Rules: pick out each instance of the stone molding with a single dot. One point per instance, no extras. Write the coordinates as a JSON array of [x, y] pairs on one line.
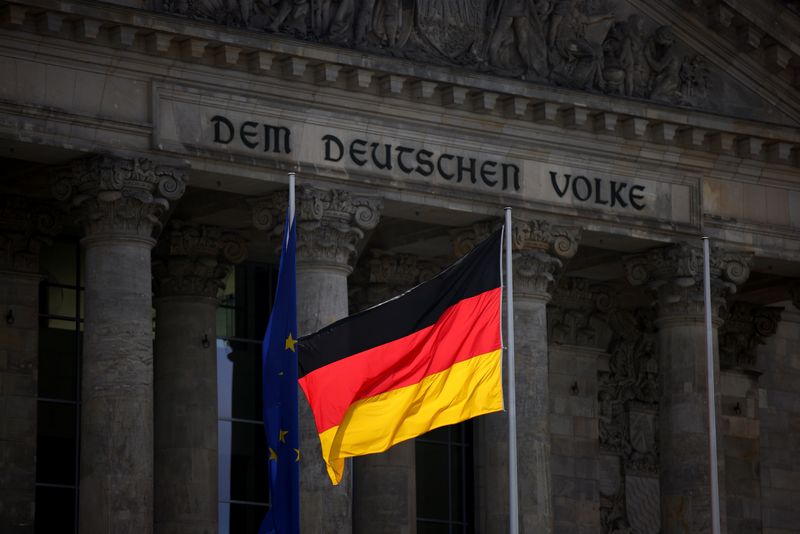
[[746, 326], [24, 227], [675, 274], [119, 198], [539, 247], [228, 48], [330, 223], [193, 260], [576, 314]]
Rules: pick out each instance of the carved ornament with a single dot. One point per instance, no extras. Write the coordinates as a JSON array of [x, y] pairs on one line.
[[577, 312], [571, 43], [746, 327], [193, 259], [119, 198], [675, 274], [24, 227], [330, 223]]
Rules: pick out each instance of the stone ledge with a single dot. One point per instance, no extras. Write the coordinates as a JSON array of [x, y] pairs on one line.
[[172, 37]]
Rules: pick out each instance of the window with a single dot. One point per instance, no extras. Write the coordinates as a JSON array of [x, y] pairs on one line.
[[58, 418], [241, 322], [445, 480]]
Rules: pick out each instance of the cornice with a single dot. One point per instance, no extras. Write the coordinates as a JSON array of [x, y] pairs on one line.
[[286, 59]]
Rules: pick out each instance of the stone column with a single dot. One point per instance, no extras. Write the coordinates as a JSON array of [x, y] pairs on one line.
[[538, 252], [330, 226], [119, 203], [746, 327], [385, 493], [578, 336], [23, 229], [191, 262], [675, 274]]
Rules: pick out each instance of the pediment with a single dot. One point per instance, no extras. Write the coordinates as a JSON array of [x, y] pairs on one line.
[[669, 52]]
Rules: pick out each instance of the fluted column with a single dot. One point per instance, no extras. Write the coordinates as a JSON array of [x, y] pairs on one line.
[[24, 227], [384, 496], [190, 265], [330, 225], [539, 249], [119, 202], [675, 275]]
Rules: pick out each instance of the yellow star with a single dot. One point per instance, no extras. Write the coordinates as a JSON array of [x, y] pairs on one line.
[[282, 435], [298, 455], [290, 343], [273, 456]]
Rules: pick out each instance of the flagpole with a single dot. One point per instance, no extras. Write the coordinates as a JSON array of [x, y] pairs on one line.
[[513, 504], [712, 409], [291, 196]]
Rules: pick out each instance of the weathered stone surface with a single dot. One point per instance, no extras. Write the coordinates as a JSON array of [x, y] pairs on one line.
[[119, 203], [192, 261]]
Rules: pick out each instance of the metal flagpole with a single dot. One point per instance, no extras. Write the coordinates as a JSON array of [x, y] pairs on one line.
[[291, 197], [712, 409], [513, 504]]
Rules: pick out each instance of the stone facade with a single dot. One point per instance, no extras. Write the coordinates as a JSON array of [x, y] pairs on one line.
[[159, 134]]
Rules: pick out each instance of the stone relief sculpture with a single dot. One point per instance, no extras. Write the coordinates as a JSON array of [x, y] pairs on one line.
[[573, 43]]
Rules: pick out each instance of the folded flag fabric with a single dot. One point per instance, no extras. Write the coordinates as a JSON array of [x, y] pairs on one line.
[[428, 358]]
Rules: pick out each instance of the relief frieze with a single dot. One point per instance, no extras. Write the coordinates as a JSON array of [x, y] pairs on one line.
[[594, 45]]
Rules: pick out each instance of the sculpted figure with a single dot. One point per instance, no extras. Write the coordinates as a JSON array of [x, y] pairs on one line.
[[290, 15], [389, 21], [521, 22], [665, 66], [632, 57], [576, 60]]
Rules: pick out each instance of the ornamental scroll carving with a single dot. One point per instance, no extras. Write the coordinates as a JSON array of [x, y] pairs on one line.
[[573, 43], [119, 197], [746, 327], [193, 259], [330, 223]]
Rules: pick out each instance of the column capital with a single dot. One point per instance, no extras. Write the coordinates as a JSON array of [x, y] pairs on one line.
[[746, 327], [24, 227], [575, 314], [119, 198], [387, 274], [330, 223], [675, 274], [194, 259], [539, 250]]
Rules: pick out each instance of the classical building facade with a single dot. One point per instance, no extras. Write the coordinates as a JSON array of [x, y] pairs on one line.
[[144, 148]]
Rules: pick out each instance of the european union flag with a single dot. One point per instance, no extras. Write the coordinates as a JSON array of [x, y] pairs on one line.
[[279, 364]]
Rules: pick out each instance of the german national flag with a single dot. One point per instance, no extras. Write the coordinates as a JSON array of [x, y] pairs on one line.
[[428, 358]]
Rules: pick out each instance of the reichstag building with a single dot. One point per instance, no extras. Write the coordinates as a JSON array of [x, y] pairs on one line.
[[144, 152]]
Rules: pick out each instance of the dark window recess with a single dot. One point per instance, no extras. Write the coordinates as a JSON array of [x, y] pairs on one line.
[[445, 480]]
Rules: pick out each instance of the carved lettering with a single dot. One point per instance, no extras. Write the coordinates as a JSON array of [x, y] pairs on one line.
[[600, 191], [247, 132], [387, 160], [616, 194], [424, 163], [554, 179], [332, 140], [220, 122], [581, 193], [272, 138], [357, 153], [635, 197], [511, 171], [486, 173], [401, 151], [461, 168], [446, 175]]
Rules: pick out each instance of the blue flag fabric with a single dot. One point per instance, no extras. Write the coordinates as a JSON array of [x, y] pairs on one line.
[[279, 379]]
